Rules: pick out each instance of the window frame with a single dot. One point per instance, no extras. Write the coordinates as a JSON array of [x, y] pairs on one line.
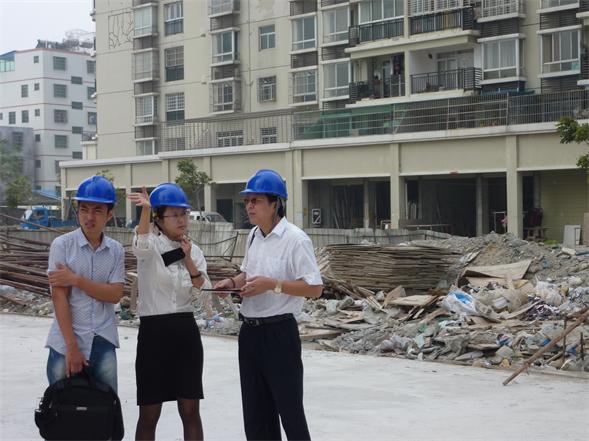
[[60, 116], [149, 113], [335, 91], [228, 56], [24, 116], [305, 43], [545, 66], [267, 40], [56, 87], [263, 96], [174, 72], [307, 95], [59, 59], [63, 139], [268, 135], [11, 117], [173, 25], [175, 106], [229, 138], [24, 90], [396, 14], [332, 37]]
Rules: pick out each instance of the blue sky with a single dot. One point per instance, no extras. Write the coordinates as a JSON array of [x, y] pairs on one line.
[[22, 22]]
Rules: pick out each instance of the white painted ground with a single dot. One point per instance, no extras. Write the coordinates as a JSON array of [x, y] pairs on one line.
[[347, 397]]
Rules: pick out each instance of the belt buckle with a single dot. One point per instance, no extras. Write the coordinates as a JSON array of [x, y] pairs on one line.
[[253, 322]]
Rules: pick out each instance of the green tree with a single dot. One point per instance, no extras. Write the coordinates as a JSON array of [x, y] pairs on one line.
[[11, 162], [570, 130], [192, 181], [18, 191]]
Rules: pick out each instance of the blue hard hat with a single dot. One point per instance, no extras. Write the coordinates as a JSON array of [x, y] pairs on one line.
[[268, 182], [96, 189], [168, 195]]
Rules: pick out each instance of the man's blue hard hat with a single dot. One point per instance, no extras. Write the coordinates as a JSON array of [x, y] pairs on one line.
[[168, 195], [268, 182], [96, 189]]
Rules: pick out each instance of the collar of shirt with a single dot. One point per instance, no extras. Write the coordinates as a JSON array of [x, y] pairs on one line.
[[82, 240], [278, 230]]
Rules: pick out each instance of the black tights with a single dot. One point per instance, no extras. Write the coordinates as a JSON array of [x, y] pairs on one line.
[[189, 413]]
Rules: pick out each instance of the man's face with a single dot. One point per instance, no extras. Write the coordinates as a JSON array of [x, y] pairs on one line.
[[259, 209], [93, 216]]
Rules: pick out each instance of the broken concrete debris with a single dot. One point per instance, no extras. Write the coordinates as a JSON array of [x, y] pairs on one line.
[[486, 301]]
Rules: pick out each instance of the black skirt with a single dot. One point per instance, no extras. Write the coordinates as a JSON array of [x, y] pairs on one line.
[[169, 359]]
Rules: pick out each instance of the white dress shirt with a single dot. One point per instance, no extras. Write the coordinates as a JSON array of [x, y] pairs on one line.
[[164, 289], [284, 254]]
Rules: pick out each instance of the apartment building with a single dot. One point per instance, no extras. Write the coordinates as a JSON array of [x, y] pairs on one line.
[[49, 89], [438, 113]]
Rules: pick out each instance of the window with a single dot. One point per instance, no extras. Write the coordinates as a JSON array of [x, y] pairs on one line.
[[36, 87], [60, 116], [60, 91], [143, 21], [77, 155], [7, 64], [335, 25], [59, 63], [37, 163], [60, 141], [35, 59], [267, 89], [268, 135], [56, 166], [224, 47], [17, 139], [336, 81], [173, 18], [24, 116], [500, 59], [24, 91], [560, 51], [92, 118], [145, 109], [145, 65], [223, 96], [148, 147], [90, 66], [174, 63], [90, 91], [230, 139], [303, 33], [377, 10], [76, 130], [304, 86], [37, 112], [77, 105], [267, 37], [76, 80], [37, 137], [11, 117], [1, 116], [420, 7], [175, 107]]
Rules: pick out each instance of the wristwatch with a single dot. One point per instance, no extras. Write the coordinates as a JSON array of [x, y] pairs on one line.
[[278, 287]]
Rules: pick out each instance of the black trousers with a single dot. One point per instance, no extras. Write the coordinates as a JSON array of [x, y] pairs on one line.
[[271, 373]]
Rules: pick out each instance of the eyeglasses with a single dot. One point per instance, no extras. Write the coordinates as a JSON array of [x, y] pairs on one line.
[[254, 201], [177, 216]]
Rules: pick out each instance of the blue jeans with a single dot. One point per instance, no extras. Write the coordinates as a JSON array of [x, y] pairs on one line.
[[102, 364]]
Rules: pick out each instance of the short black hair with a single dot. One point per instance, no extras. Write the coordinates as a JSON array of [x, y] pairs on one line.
[[281, 208]]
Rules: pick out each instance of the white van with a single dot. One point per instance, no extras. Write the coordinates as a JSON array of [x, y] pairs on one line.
[[206, 216]]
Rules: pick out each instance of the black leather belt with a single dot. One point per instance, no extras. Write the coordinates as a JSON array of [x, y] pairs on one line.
[[252, 321]]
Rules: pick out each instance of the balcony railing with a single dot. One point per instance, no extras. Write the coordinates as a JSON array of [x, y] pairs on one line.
[[585, 67], [375, 31], [545, 4], [424, 7], [583, 5], [493, 110], [375, 89], [218, 7], [466, 79], [298, 7], [459, 18], [497, 8], [561, 66]]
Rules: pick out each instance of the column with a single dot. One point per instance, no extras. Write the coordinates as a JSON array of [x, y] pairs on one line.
[[479, 206], [165, 170], [514, 188], [366, 203], [128, 189], [298, 197], [397, 183]]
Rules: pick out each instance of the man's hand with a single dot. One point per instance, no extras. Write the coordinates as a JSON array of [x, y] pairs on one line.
[[63, 276], [74, 361], [257, 285], [140, 199], [225, 284]]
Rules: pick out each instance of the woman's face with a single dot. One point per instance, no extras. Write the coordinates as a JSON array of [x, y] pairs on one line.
[[174, 222]]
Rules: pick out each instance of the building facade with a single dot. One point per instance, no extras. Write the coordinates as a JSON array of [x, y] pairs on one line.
[[49, 89], [438, 113]]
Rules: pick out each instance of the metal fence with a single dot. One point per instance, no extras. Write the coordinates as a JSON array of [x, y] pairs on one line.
[[478, 111]]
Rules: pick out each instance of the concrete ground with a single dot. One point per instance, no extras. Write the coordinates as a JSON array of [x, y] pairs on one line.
[[347, 397]]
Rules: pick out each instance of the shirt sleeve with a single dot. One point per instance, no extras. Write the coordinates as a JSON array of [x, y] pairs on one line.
[[117, 275], [57, 254], [305, 263], [143, 245], [243, 266]]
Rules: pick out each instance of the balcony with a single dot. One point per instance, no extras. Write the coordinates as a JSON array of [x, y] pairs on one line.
[[223, 7], [466, 79], [496, 9], [563, 66], [584, 6], [375, 31], [560, 4], [390, 88], [441, 21], [225, 96], [326, 3], [300, 7]]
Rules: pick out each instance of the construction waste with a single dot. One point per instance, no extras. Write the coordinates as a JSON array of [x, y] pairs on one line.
[[486, 301]]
